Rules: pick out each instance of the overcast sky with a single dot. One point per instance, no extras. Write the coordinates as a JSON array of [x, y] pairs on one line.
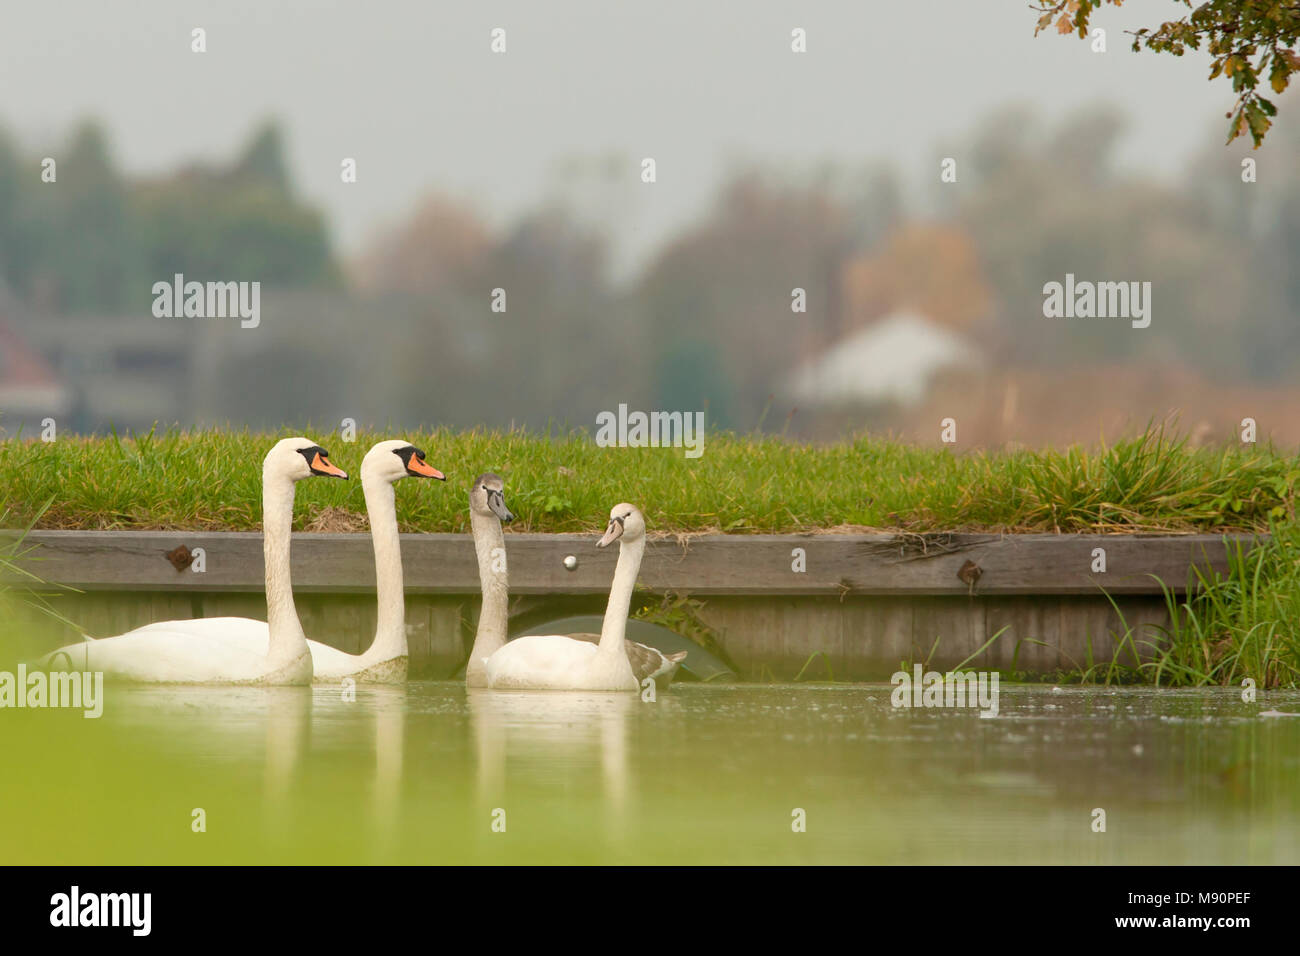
[[411, 90]]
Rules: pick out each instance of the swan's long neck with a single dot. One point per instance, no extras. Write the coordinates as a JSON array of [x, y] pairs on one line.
[[494, 616], [614, 629], [390, 627], [287, 641]]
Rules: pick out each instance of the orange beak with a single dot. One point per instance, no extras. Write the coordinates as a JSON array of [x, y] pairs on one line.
[[418, 466], [322, 466]]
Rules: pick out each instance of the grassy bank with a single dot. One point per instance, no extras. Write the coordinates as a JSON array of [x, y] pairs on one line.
[[1238, 625], [210, 480], [1223, 628], [1228, 628]]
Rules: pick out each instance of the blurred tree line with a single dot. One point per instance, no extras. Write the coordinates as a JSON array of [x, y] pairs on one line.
[[709, 323], [94, 242], [406, 331], [1218, 250]]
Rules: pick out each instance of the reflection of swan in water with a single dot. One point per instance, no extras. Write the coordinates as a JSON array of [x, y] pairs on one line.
[[228, 722], [288, 719], [280, 723], [390, 731], [556, 731], [359, 720]]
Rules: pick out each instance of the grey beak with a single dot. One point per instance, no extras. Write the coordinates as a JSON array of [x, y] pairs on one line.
[[498, 506]]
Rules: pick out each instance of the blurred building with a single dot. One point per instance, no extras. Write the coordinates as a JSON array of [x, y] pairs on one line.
[[118, 371], [30, 390], [892, 361]]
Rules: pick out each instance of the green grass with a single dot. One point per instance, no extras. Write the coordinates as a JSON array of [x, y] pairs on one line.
[[210, 480], [1225, 627], [1231, 626], [1239, 624]]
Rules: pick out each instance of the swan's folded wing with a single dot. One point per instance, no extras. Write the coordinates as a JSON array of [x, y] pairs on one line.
[[539, 661], [155, 654], [242, 631], [646, 661]]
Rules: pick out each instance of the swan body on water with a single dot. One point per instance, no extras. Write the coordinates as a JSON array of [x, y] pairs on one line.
[[561, 662], [225, 650], [385, 661], [488, 511]]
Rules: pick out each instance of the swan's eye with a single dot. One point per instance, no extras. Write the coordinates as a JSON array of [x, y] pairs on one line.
[[311, 452]]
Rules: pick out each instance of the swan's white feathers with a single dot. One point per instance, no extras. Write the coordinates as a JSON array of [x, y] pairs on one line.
[[210, 650], [556, 662], [221, 650], [329, 664]]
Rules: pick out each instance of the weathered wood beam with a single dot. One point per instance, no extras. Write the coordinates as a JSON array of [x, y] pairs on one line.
[[835, 564]]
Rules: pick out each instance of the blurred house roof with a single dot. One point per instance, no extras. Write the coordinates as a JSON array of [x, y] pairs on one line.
[[28, 385], [892, 360]]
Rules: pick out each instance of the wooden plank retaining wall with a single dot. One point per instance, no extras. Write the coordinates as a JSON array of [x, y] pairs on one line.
[[868, 601]]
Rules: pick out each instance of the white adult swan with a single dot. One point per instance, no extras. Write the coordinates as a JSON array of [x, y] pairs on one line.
[[487, 511], [229, 650], [557, 662], [386, 658]]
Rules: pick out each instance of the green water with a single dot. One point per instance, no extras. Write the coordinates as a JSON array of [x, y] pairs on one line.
[[704, 774]]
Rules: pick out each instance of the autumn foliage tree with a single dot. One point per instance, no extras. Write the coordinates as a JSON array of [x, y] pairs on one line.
[[1249, 40], [933, 268]]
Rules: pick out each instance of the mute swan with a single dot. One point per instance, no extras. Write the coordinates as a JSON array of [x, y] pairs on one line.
[[228, 650], [557, 662], [487, 510], [385, 660]]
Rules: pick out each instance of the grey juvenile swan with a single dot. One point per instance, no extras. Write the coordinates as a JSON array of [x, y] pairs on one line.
[[487, 511]]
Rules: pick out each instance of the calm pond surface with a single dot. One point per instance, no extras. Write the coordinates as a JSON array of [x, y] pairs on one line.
[[707, 773]]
